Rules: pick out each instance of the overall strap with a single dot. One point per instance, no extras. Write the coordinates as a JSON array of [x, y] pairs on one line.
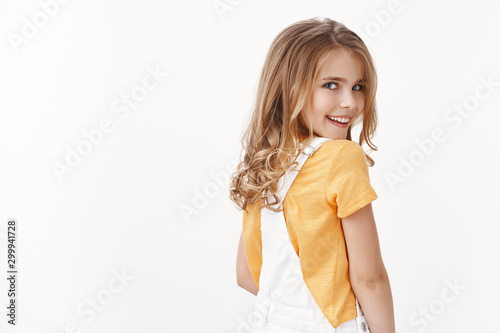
[[358, 308], [286, 181], [314, 146]]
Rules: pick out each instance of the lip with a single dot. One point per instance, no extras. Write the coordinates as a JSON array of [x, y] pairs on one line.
[[340, 116]]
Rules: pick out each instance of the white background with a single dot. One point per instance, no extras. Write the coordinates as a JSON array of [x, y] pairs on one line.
[[119, 211]]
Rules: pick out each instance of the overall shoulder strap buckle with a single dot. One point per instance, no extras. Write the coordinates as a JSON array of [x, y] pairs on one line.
[[314, 146]]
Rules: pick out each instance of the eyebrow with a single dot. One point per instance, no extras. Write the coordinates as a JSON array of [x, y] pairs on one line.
[[341, 79]]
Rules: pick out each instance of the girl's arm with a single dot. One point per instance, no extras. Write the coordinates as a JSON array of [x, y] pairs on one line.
[[243, 276], [367, 272]]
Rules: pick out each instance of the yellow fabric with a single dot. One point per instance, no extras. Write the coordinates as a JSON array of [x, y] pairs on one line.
[[332, 184]]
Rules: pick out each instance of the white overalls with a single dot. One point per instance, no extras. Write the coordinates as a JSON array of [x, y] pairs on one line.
[[284, 303]]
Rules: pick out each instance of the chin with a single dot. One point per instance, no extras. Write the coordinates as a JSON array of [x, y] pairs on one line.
[[337, 136]]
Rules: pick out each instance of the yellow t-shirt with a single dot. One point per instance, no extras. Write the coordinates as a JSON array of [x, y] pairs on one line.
[[332, 184]]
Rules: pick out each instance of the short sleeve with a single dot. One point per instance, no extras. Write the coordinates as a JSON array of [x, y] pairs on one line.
[[348, 182], [252, 240]]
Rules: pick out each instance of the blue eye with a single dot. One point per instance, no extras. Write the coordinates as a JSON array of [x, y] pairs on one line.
[[361, 87], [326, 85]]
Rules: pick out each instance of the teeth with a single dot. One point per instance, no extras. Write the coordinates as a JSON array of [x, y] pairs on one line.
[[341, 120]]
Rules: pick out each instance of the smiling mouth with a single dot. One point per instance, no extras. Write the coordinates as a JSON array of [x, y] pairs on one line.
[[339, 123]]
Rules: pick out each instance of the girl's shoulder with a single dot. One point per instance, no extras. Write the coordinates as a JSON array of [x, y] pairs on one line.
[[344, 146], [344, 153]]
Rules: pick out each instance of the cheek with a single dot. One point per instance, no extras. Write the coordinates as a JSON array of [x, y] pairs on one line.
[[361, 102], [322, 102]]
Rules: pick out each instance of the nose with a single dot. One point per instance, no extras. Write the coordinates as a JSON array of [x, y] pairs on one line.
[[347, 100]]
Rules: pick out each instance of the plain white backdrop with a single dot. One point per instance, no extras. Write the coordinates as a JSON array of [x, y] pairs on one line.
[[120, 122]]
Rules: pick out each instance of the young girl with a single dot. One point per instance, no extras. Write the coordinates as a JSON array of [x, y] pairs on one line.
[[309, 247]]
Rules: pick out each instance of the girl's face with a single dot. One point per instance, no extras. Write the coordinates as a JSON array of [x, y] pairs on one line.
[[337, 97]]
